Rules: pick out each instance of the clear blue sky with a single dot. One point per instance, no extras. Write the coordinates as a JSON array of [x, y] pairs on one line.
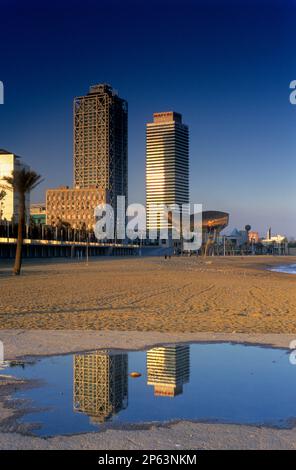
[[225, 65]]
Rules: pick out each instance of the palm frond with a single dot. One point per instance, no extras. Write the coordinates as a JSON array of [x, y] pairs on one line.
[[23, 181]]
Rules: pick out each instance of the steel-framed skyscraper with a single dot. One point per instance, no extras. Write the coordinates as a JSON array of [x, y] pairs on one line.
[[101, 141], [100, 384], [167, 163]]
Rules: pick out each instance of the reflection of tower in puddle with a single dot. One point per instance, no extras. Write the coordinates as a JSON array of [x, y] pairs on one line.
[[168, 369], [100, 384]]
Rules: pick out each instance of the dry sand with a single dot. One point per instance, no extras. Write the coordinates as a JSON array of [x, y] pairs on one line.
[[152, 294]]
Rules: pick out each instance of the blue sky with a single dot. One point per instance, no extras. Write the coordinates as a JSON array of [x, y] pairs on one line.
[[225, 65]]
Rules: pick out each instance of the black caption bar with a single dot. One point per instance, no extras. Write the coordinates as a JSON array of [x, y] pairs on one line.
[[136, 459]]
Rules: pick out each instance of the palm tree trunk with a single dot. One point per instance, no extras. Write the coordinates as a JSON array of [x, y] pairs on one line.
[[207, 246], [19, 245]]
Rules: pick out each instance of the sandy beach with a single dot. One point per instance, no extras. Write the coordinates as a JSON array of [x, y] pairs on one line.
[[232, 294], [136, 303]]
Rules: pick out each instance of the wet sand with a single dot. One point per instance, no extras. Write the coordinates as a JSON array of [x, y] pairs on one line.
[[179, 436], [231, 294]]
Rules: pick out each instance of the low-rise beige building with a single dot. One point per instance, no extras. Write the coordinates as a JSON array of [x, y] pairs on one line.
[[253, 236], [38, 212], [74, 206], [9, 205]]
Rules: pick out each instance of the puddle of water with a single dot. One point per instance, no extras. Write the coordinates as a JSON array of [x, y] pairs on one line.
[[221, 382]]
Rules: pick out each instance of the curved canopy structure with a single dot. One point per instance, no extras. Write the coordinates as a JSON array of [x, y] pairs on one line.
[[214, 220]]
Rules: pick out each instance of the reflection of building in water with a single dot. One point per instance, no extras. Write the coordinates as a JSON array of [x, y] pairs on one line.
[[168, 369], [100, 384]]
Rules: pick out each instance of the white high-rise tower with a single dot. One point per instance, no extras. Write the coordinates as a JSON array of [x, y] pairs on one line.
[[167, 164]]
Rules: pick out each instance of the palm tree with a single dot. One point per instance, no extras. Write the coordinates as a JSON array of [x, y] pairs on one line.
[[22, 182]]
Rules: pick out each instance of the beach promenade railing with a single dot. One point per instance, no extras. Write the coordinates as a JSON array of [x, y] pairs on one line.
[[71, 249]]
